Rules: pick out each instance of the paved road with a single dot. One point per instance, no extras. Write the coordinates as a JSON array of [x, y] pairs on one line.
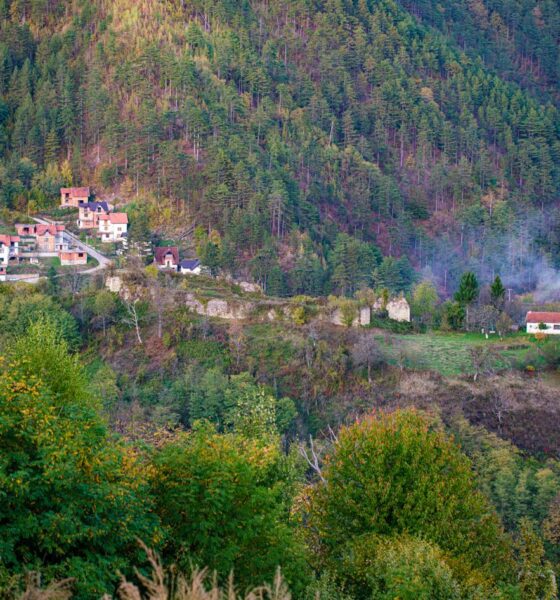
[[103, 261]]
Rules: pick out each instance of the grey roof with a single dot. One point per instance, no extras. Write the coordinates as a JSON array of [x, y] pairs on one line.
[[95, 205], [190, 264]]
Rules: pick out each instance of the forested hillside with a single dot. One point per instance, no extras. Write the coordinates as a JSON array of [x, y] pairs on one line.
[[313, 137]]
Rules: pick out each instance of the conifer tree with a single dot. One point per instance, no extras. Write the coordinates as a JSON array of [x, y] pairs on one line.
[[497, 292], [467, 292]]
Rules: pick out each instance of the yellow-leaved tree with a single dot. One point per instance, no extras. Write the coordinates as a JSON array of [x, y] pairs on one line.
[[73, 500]]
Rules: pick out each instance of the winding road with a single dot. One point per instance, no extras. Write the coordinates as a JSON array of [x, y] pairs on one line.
[[103, 261]]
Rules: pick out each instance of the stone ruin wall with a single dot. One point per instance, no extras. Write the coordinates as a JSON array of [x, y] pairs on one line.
[[241, 309]]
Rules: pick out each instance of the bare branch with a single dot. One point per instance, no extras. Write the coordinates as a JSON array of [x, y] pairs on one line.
[[312, 458]]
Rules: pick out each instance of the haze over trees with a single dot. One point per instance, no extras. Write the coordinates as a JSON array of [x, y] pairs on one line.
[[284, 126]]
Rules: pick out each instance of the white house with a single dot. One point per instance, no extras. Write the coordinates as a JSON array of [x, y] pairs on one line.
[[190, 267], [113, 227], [9, 248], [543, 322]]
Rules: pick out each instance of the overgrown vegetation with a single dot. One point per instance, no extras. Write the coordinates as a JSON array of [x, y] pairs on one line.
[[192, 443]]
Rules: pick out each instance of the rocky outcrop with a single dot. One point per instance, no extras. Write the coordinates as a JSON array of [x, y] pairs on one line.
[[236, 307], [250, 288], [362, 318], [398, 309], [222, 309], [114, 283]]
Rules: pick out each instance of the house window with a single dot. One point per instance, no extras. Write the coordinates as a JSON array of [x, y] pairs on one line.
[[556, 327]]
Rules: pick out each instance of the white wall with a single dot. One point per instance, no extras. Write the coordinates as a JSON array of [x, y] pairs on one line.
[[195, 271], [552, 328]]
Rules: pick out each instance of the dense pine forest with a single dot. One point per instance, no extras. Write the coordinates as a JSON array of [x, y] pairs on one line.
[[313, 139], [343, 154]]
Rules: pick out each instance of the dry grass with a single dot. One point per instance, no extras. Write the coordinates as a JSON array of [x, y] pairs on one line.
[[59, 590], [164, 585]]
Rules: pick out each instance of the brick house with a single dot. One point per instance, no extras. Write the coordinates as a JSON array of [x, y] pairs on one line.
[[167, 257], [72, 257], [113, 227], [48, 238], [89, 213], [74, 196]]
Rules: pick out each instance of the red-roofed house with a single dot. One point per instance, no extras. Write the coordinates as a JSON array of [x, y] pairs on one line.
[[74, 196], [167, 257], [543, 322], [113, 227], [72, 257], [49, 238], [9, 248]]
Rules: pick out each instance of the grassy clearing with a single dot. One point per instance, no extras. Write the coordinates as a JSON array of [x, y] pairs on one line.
[[450, 353]]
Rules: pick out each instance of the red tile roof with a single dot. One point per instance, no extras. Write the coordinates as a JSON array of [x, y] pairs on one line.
[[41, 229], [44, 229], [118, 218], [75, 191], [115, 218], [7, 239], [23, 228], [543, 317], [162, 251]]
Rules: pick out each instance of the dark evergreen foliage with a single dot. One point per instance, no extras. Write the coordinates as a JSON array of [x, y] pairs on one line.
[[284, 125]]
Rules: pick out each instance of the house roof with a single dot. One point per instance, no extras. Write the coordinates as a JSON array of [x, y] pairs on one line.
[[543, 317], [115, 218], [39, 229], [161, 252], [190, 263], [7, 239], [95, 205], [52, 229], [76, 191]]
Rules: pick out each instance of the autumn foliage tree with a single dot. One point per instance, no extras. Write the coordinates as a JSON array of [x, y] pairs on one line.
[[73, 502], [396, 474]]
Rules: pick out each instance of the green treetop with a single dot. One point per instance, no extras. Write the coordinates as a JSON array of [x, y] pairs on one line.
[[497, 292], [395, 474]]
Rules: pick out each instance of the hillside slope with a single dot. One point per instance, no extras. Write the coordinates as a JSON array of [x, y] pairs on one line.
[[282, 125]]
